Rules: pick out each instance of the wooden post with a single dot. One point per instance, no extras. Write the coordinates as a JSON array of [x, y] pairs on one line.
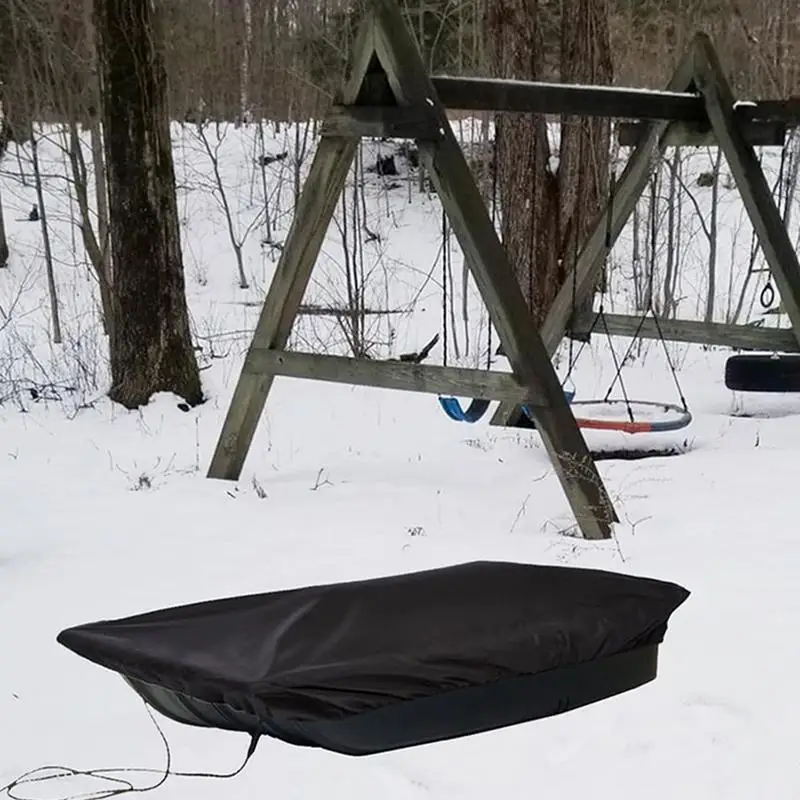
[[720, 334], [313, 214], [581, 281], [750, 180], [494, 277]]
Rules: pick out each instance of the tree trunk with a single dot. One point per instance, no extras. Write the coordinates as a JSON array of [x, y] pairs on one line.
[[547, 207], [151, 347], [527, 188], [4, 251], [584, 151]]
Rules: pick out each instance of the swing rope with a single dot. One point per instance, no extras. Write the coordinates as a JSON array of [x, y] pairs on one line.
[[767, 295], [477, 407], [601, 314], [445, 265], [632, 426]]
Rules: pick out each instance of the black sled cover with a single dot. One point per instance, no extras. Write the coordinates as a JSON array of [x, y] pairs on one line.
[[374, 665]]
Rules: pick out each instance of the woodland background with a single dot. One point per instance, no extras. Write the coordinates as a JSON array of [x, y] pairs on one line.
[[120, 70], [283, 59]]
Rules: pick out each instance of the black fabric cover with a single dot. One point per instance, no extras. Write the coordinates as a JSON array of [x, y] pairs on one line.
[[373, 665]]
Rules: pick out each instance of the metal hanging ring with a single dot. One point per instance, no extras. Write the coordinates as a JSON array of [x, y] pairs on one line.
[[767, 296]]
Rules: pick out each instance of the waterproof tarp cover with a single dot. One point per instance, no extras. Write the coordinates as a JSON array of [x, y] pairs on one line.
[[373, 665]]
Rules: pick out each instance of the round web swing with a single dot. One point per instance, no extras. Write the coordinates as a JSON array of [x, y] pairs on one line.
[[623, 414], [643, 416]]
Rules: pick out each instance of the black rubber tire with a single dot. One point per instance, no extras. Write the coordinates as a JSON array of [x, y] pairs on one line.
[[763, 373]]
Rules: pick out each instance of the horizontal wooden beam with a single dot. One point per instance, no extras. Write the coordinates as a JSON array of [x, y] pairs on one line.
[[762, 120], [406, 122], [487, 94], [786, 111], [757, 133], [391, 122], [737, 337], [397, 375]]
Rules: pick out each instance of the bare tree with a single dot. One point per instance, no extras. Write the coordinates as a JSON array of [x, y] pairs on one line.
[[4, 251], [151, 347], [55, 315], [674, 219]]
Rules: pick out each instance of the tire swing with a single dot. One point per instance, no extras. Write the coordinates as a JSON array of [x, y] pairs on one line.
[[623, 414], [375, 665], [776, 373]]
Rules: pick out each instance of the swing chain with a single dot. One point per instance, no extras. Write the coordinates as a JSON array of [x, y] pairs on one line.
[[601, 317], [767, 296]]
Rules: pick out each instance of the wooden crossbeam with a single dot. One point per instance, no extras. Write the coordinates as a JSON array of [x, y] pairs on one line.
[[405, 122], [757, 133], [738, 337], [398, 375], [743, 162], [616, 102], [494, 277], [786, 111], [490, 94], [393, 122]]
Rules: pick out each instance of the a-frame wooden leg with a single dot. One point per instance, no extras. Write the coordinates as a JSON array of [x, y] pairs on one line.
[[750, 180], [494, 277], [315, 207], [580, 283]]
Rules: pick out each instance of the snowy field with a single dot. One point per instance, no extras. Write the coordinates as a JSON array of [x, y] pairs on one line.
[[107, 513]]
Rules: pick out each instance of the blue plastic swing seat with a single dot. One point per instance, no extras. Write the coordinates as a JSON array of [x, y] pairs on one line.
[[472, 413], [477, 408]]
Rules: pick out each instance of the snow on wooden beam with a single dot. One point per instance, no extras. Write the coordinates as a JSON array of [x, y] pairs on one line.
[[490, 94]]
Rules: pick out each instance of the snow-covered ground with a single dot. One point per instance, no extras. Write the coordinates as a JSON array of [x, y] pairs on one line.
[[108, 513]]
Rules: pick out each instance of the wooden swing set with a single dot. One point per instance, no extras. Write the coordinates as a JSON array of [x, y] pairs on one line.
[[390, 94]]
